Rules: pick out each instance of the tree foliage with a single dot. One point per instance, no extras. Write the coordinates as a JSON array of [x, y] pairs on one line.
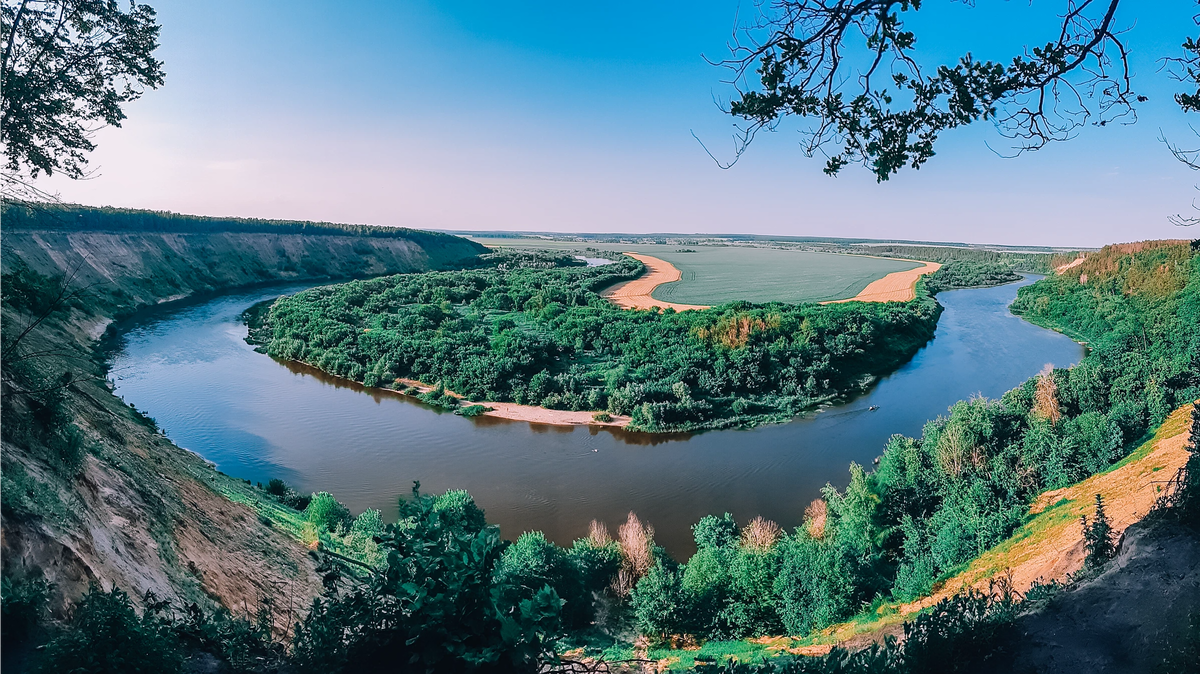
[[532, 329], [854, 70], [69, 66]]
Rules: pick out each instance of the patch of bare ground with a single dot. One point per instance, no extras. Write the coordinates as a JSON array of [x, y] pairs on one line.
[[1073, 263], [1129, 619], [635, 294], [898, 286]]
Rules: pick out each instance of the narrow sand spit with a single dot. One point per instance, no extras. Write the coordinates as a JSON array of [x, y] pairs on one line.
[[530, 413], [635, 294], [1073, 263], [898, 286]]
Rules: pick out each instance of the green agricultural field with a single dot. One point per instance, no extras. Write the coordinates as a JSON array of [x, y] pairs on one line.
[[716, 274]]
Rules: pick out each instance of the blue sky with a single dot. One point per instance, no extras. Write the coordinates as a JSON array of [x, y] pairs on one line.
[[579, 118]]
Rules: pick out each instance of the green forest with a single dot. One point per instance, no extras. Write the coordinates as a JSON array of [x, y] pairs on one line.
[[970, 274], [531, 328]]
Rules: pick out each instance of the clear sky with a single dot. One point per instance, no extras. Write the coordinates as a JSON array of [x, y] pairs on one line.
[[577, 117]]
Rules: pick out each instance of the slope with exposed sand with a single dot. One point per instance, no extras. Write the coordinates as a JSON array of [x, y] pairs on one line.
[[1048, 547]]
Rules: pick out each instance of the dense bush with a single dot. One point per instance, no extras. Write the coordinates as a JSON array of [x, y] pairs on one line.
[[532, 329], [106, 634], [325, 511], [438, 604], [968, 274], [22, 609]]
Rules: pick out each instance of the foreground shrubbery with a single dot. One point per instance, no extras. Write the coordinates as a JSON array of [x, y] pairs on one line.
[[532, 329]]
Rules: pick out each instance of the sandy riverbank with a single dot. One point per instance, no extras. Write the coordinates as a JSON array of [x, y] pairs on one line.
[[530, 413], [635, 294], [898, 286]]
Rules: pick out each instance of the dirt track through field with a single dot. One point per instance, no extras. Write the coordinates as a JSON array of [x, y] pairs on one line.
[[898, 286], [635, 294]]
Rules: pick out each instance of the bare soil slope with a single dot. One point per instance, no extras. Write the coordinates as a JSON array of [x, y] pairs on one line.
[[140, 513], [1130, 619]]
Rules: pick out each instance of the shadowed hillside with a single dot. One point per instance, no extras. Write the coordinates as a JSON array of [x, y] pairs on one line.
[[92, 491]]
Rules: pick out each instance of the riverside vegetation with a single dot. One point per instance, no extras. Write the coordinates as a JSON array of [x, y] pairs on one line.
[[444, 593], [531, 328]]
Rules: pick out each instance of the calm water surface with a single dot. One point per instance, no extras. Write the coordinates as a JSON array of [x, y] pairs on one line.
[[189, 368]]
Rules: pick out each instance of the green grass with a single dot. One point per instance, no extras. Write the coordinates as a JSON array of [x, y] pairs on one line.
[[718, 274], [684, 659]]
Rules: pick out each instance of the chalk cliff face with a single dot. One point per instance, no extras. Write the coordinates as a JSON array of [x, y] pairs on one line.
[[140, 268], [136, 511]]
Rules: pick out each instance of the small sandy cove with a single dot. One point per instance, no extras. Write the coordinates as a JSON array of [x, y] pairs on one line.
[[530, 413], [898, 286]]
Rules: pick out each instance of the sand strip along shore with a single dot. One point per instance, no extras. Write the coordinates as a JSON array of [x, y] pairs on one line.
[[635, 294], [530, 413], [898, 286]]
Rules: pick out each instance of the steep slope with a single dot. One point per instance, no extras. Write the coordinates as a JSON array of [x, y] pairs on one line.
[[91, 490]]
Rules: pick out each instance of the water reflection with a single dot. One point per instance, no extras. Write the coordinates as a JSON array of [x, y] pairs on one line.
[[189, 368]]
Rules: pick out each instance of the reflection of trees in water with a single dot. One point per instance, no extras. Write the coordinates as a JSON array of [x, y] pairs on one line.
[[378, 394]]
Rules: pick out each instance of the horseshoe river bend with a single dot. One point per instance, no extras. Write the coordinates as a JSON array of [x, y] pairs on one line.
[[187, 365]]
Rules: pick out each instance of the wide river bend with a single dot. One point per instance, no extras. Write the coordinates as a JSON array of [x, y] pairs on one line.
[[187, 366]]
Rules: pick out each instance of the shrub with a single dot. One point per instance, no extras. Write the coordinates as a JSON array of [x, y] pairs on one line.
[[22, 607], [597, 557], [325, 511], [636, 542], [472, 410], [532, 563], [659, 603], [361, 537], [105, 634]]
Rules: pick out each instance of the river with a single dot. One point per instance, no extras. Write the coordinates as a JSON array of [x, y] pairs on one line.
[[187, 366]]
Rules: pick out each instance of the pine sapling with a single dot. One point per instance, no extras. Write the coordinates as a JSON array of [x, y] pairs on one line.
[[1098, 536]]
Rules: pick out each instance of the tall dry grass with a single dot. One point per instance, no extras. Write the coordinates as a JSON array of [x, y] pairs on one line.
[[636, 541], [598, 536], [1045, 400], [814, 518], [760, 534]]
